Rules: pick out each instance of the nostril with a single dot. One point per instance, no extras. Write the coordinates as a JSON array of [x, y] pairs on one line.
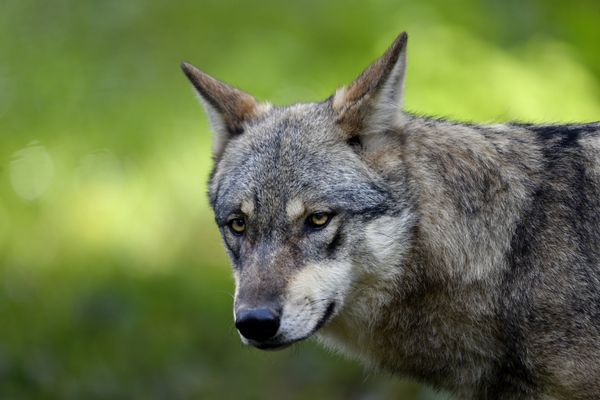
[[257, 323]]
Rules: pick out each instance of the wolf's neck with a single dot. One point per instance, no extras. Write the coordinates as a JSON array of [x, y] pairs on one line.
[[470, 184]]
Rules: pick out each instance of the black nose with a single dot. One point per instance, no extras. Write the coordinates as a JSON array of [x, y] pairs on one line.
[[257, 323]]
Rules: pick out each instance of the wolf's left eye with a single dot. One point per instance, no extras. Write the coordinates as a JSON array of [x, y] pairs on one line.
[[318, 219], [237, 226]]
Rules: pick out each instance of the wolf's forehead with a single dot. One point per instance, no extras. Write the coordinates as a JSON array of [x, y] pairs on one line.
[[280, 191], [287, 161], [274, 176], [282, 148]]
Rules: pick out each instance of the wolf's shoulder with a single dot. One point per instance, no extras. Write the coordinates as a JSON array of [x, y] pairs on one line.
[[543, 130], [566, 134]]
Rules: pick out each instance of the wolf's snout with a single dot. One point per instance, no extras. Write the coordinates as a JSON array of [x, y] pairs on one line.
[[257, 324]]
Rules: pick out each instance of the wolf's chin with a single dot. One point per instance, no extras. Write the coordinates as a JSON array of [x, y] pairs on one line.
[[279, 344], [273, 346]]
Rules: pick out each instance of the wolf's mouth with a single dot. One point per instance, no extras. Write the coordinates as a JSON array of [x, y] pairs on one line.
[[279, 345]]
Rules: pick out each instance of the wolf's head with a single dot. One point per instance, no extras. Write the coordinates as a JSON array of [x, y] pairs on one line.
[[310, 199]]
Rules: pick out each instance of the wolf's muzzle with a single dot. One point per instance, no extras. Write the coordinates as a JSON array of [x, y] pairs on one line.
[[257, 324]]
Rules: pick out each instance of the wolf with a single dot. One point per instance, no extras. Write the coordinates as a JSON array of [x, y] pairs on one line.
[[465, 256]]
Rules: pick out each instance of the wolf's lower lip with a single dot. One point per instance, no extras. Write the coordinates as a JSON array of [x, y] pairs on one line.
[[325, 317], [273, 346]]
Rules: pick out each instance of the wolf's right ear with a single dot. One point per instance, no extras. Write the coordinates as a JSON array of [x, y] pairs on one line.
[[228, 108]]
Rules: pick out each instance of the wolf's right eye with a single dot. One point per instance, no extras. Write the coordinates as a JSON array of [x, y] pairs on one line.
[[237, 226]]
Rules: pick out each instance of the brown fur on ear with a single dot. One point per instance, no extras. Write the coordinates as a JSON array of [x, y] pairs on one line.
[[228, 108], [376, 93]]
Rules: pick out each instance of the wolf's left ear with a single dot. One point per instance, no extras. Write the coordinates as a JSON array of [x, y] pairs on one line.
[[372, 103], [228, 108]]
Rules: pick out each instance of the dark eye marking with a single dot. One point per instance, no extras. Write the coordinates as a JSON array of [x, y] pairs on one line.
[[335, 243]]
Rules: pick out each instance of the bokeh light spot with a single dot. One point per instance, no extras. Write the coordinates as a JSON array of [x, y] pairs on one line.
[[31, 171]]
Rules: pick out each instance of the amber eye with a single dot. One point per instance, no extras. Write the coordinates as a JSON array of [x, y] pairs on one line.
[[318, 219], [237, 226]]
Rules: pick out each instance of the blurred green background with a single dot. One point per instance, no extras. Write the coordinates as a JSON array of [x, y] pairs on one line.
[[113, 280]]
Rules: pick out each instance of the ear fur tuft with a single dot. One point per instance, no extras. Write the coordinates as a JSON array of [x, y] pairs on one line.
[[229, 109]]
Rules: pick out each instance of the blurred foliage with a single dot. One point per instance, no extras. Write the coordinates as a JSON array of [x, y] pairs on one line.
[[113, 280]]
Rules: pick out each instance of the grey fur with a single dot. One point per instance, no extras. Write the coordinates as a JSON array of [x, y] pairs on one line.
[[465, 256]]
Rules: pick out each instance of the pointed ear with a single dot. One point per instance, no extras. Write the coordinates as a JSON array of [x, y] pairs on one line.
[[228, 108], [372, 103]]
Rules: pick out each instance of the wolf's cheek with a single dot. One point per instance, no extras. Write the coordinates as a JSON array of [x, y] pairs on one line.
[[312, 296], [387, 241]]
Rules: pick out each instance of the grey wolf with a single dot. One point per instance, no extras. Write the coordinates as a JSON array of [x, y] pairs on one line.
[[462, 255]]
